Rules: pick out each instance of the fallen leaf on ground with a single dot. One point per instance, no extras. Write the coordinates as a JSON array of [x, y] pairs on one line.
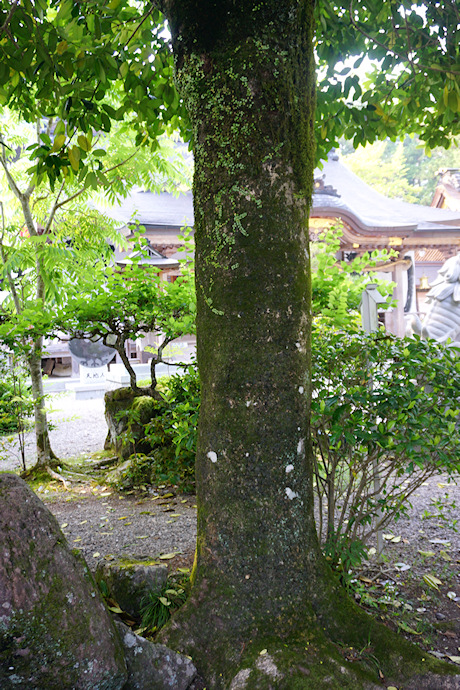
[[96, 554], [167, 556], [366, 580], [432, 581], [427, 554], [407, 628], [392, 538], [446, 542]]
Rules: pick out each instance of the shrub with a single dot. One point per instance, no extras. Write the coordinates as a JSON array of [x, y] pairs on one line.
[[384, 418], [157, 607], [15, 398]]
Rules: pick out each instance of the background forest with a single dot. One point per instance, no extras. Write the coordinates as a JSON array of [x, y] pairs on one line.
[[401, 169]]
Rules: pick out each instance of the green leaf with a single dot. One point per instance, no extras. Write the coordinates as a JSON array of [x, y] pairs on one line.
[[59, 142], [74, 157], [83, 142]]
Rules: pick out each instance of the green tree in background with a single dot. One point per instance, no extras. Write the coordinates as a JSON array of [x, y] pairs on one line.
[[127, 304], [401, 169]]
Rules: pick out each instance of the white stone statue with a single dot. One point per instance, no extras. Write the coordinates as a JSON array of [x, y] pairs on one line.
[[442, 321]]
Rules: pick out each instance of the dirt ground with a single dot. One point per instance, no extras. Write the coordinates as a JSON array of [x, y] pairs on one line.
[[415, 589]]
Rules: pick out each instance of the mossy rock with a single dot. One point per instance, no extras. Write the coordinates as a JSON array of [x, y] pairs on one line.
[[129, 582], [118, 403]]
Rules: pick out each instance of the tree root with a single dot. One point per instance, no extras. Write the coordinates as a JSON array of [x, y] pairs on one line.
[[334, 645], [59, 477]]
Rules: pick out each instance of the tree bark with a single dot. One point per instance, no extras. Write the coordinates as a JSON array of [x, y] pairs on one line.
[[246, 72], [251, 100], [45, 454]]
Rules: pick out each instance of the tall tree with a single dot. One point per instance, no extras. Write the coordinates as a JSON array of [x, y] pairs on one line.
[[265, 611]]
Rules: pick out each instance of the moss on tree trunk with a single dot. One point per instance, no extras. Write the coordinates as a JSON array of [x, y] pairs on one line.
[[247, 74], [45, 455]]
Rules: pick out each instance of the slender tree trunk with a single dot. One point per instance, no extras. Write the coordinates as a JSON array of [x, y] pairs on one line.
[[44, 452], [260, 583]]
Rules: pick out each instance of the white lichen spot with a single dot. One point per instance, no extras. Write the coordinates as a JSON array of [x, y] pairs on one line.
[[290, 493], [130, 640], [289, 468], [212, 456], [240, 680], [267, 665], [301, 390], [300, 446]]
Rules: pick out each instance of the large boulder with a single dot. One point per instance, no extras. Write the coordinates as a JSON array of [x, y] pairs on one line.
[[55, 631], [153, 666], [129, 582]]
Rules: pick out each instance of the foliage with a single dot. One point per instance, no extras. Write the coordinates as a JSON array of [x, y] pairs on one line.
[[50, 237], [71, 55], [384, 69], [15, 397], [120, 305], [384, 418], [170, 436], [344, 556], [158, 607], [401, 169], [337, 285], [410, 55]]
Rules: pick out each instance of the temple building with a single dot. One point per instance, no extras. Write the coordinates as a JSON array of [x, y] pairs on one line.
[[423, 237]]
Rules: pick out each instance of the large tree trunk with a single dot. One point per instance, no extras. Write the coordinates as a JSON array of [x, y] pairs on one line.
[[246, 71]]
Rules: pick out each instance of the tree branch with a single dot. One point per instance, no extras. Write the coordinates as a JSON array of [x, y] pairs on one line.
[[4, 27], [11, 284], [80, 191], [399, 56]]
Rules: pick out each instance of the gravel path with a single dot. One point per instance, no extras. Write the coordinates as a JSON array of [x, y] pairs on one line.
[[78, 427]]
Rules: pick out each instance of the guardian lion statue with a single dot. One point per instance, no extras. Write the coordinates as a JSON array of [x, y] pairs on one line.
[[442, 321]]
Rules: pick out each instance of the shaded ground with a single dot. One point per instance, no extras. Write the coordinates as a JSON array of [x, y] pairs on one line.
[[415, 590]]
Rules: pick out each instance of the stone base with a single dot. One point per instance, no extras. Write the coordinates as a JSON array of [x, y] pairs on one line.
[[86, 391]]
